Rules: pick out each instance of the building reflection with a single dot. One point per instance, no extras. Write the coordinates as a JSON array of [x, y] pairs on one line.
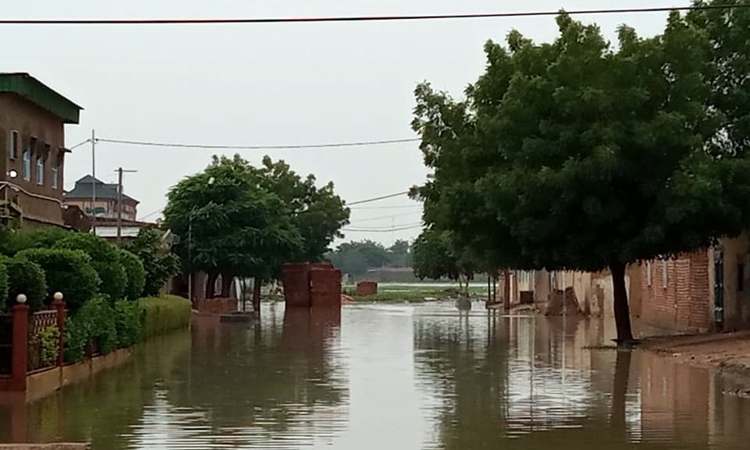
[[533, 382]]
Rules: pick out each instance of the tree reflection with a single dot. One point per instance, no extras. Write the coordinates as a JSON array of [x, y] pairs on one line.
[[269, 376]]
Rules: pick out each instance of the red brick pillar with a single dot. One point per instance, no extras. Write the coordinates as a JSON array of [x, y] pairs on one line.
[[20, 347], [59, 306]]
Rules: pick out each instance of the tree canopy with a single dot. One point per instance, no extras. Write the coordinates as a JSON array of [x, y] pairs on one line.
[[576, 155], [235, 219]]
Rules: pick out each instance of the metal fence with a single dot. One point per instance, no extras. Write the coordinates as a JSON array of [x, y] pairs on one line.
[[39, 356]]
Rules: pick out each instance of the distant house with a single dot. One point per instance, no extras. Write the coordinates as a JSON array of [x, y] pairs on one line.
[[32, 127], [105, 205]]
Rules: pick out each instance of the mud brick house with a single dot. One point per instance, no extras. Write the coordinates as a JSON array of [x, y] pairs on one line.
[[32, 129], [708, 290]]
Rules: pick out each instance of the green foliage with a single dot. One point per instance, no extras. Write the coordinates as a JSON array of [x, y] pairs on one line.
[[92, 330], [434, 256], [136, 274], [159, 263], [66, 271], [356, 258], [318, 213], [129, 319], [28, 278], [230, 223], [4, 286], [572, 155], [164, 315], [50, 344], [44, 237], [104, 258]]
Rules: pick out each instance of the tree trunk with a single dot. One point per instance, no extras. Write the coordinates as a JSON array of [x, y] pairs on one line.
[[494, 288], [622, 309], [489, 289], [211, 284], [257, 284], [619, 392], [226, 285]]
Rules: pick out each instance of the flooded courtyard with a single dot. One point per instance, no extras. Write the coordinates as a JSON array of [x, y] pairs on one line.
[[392, 377]]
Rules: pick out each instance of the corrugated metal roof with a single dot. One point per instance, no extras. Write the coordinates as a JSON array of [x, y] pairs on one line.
[[35, 91]]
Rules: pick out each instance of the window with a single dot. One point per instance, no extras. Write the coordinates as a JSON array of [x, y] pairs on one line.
[[54, 169], [13, 145], [27, 164], [648, 273], [664, 273], [740, 277], [40, 163]]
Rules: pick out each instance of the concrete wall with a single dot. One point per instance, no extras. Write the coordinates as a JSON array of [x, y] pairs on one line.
[[30, 120]]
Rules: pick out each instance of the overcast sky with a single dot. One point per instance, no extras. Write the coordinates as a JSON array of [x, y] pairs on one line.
[[268, 84]]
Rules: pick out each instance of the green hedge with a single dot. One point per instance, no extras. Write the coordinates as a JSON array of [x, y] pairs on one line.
[[135, 272], [104, 259], [25, 277], [103, 327], [66, 271], [165, 314]]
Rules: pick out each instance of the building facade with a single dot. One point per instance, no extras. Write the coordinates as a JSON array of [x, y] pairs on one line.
[[32, 128], [101, 204]]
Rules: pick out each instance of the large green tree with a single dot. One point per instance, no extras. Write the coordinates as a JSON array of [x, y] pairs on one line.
[[158, 260], [230, 223], [317, 212], [576, 155], [435, 256], [356, 258]]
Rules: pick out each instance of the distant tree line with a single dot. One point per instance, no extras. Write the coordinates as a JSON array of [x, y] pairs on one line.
[[358, 257]]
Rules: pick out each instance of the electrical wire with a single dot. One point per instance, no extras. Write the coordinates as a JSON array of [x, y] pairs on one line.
[[258, 147], [381, 230], [376, 199], [80, 144], [358, 208], [374, 219], [389, 18]]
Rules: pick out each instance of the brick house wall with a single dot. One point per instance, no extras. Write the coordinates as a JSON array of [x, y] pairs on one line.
[[29, 120], [676, 294]]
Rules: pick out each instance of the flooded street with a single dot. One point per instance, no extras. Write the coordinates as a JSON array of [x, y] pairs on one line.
[[392, 377]]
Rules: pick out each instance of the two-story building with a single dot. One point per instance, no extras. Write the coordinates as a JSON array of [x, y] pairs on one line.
[[32, 127], [99, 199]]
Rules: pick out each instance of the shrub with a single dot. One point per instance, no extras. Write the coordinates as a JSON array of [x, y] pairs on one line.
[[25, 277], [104, 259], [129, 318], [67, 271], [3, 286], [165, 314], [50, 344], [45, 237], [160, 264], [135, 273], [93, 329]]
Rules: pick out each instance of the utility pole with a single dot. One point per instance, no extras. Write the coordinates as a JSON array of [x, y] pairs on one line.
[[93, 181], [119, 202]]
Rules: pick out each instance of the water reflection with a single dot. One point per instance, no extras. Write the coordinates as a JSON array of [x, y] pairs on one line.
[[399, 377]]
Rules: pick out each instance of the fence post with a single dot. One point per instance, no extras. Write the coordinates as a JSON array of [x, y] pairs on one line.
[[59, 306], [20, 344]]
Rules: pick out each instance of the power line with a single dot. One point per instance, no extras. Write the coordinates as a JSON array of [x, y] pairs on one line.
[[385, 197], [258, 147], [358, 208], [392, 18], [373, 219], [381, 230]]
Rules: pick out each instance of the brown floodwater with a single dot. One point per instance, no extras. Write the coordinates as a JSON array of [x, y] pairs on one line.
[[392, 377]]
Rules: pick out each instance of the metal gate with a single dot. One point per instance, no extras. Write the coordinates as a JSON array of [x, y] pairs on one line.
[[6, 344], [718, 287]]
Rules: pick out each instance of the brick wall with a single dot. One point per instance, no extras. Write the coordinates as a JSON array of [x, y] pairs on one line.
[[365, 288], [307, 285], [684, 304]]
